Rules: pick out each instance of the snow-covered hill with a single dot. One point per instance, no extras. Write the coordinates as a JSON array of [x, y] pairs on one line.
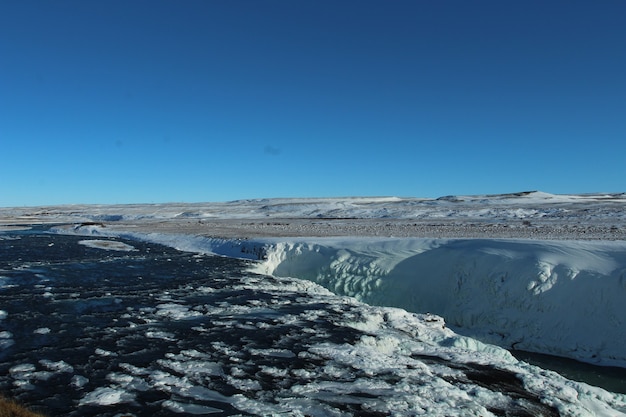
[[493, 208]]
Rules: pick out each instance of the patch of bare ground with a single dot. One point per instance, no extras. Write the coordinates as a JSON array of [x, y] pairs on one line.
[[10, 408], [401, 228]]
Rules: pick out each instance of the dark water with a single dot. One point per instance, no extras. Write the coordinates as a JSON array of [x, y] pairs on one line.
[[610, 378], [66, 301], [93, 332]]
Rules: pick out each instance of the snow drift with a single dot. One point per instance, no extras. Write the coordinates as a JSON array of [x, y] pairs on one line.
[[564, 298]]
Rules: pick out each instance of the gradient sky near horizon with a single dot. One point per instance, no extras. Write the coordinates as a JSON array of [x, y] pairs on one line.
[[141, 101]]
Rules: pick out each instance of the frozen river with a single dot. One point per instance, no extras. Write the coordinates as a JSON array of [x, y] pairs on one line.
[[109, 327]]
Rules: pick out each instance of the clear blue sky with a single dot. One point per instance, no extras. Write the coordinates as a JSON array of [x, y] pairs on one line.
[[158, 101]]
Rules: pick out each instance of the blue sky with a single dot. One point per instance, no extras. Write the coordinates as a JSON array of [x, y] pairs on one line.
[[158, 101]]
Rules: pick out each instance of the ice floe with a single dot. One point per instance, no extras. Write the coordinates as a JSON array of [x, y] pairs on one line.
[[107, 245]]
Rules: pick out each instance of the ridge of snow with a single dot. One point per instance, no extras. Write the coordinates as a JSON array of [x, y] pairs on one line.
[[563, 298]]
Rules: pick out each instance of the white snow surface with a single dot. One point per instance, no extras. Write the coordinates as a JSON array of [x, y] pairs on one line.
[[564, 298]]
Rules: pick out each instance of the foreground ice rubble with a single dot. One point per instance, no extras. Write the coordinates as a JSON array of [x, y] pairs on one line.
[[391, 361]]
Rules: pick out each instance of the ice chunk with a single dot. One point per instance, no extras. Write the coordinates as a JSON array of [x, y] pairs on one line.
[[190, 409], [6, 340], [273, 352], [158, 334], [42, 330], [22, 369], [79, 381], [60, 366], [176, 311], [22, 374], [107, 396], [102, 352], [193, 367], [108, 245]]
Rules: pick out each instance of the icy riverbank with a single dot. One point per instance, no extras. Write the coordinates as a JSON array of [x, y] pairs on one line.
[[564, 298]]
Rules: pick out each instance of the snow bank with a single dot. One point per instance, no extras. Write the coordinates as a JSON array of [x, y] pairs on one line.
[[564, 298], [234, 248]]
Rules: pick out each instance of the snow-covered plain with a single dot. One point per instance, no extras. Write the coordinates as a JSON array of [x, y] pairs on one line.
[[534, 215], [559, 290]]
